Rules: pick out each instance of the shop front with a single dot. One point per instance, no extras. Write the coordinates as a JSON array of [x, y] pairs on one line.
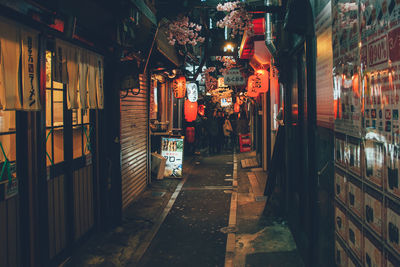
[[50, 95]]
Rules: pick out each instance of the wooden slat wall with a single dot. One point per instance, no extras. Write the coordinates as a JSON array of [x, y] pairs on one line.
[[83, 201], [134, 141], [56, 214], [9, 232]]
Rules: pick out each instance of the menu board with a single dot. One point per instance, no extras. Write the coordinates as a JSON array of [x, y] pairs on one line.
[[345, 46], [172, 150]]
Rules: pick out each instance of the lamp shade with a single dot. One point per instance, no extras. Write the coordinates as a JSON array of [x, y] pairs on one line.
[[236, 107], [201, 110], [190, 111], [192, 92], [251, 87], [259, 81], [179, 87]]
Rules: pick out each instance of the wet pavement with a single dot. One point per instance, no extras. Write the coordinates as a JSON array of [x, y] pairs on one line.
[[190, 235], [211, 217]]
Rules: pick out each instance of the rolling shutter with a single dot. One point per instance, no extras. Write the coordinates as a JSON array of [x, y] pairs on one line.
[[134, 143]]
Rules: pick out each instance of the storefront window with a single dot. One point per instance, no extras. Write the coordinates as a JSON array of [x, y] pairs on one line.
[[7, 142], [160, 104], [54, 116], [81, 130]]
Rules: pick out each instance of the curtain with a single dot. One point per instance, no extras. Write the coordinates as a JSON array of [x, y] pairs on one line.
[[83, 78], [91, 81], [10, 52], [99, 82]]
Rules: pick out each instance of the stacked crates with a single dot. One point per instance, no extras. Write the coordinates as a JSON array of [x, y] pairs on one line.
[[245, 142]]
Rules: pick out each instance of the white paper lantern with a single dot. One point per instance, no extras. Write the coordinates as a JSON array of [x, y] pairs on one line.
[[192, 93]]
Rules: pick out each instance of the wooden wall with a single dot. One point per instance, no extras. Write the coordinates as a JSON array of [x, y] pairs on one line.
[[9, 232], [56, 215], [83, 201]]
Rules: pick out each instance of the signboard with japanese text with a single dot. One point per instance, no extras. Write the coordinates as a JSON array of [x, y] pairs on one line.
[[234, 77], [172, 150], [192, 92]]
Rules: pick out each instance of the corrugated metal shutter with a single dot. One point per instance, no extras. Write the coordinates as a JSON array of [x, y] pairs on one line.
[[134, 143]]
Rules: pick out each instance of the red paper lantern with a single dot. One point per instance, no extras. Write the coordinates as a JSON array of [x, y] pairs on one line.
[[236, 107], [355, 84], [262, 82], [251, 89], [190, 110], [201, 110], [190, 135], [179, 87]]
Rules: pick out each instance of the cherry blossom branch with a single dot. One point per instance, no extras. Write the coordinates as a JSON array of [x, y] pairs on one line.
[[183, 32], [237, 18]]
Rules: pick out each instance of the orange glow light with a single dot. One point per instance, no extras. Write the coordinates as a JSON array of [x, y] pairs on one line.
[[179, 87]]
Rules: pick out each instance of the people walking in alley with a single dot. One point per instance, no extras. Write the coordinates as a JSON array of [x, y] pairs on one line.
[[227, 133], [220, 120], [242, 126], [213, 132], [233, 119]]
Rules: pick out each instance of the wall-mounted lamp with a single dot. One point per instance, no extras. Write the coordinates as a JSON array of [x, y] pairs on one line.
[[130, 85]]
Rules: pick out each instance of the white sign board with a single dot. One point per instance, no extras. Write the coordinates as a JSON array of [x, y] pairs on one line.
[[172, 150], [234, 77]]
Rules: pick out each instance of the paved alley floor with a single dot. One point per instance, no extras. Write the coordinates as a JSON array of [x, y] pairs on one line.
[[191, 233], [213, 217]]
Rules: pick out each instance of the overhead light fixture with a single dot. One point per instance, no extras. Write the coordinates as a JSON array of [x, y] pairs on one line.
[[229, 48]]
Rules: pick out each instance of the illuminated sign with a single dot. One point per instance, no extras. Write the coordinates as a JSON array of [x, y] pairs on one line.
[[172, 150]]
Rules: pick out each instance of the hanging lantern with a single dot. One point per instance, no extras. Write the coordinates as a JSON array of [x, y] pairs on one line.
[[239, 100], [262, 82], [192, 92], [355, 85], [201, 110], [190, 135], [251, 88], [190, 111], [236, 107], [179, 87]]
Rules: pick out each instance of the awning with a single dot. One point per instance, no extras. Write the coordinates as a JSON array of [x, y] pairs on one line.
[[261, 53], [247, 46]]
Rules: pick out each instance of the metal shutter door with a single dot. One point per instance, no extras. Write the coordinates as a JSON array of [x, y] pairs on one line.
[[134, 143]]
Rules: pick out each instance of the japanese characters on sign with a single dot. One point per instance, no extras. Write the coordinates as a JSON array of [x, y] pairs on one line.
[[192, 92], [234, 77], [172, 150]]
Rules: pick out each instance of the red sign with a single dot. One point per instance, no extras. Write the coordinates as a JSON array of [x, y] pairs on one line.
[[377, 52], [394, 44]]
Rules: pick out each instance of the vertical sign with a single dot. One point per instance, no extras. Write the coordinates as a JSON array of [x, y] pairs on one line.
[[172, 150]]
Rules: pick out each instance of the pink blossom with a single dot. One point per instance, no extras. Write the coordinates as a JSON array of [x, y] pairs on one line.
[[236, 19], [184, 32]]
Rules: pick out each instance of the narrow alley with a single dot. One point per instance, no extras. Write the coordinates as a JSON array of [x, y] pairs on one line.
[[229, 133], [215, 216]]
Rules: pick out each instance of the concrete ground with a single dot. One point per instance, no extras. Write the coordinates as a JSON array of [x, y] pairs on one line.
[[214, 216]]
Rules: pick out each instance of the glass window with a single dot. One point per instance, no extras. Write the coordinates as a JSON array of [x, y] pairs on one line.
[[54, 116], [81, 130], [7, 145]]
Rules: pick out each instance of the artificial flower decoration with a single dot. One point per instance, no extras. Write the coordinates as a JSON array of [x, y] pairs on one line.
[[183, 32], [237, 18], [228, 61]]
